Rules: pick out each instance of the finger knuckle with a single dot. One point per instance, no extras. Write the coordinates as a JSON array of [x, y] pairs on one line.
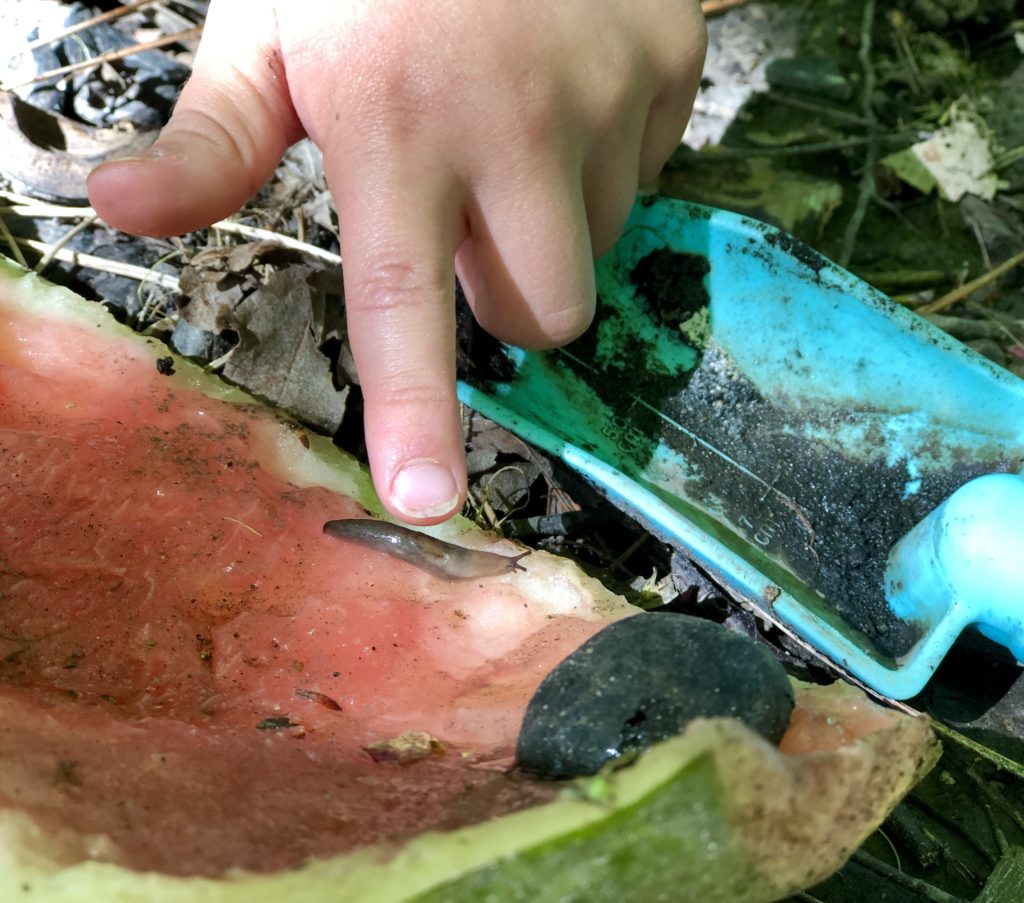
[[400, 90], [407, 390], [684, 46], [394, 283], [232, 136]]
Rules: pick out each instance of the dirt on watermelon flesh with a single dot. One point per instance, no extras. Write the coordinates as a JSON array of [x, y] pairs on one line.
[[164, 594]]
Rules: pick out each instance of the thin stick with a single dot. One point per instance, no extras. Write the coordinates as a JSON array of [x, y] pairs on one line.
[[144, 306], [109, 57], [679, 158], [235, 520], [922, 888], [16, 198], [714, 7], [115, 267], [908, 55], [980, 239], [12, 243], [47, 258], [998, 759], [23, 206], [1006, 808], [286, 241], [892, 848], [625, 556], [820, 109], [47, 211], [958, 294], [1001, 326], [867, 179], [115, 13]]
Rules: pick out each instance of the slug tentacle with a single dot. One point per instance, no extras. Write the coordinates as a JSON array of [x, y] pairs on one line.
[[435, 556]]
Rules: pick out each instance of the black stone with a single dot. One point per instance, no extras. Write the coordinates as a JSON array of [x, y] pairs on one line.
[[642, 680]]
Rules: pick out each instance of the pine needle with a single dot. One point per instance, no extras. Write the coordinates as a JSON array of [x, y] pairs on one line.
[[55, 248], [115, 13], [958, 294], [12, 243], [108, 57], [102, 264]]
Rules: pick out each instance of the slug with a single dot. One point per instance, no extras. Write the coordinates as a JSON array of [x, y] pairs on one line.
[[442, 559]]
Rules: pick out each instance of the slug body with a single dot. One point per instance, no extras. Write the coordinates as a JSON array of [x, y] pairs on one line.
[[442, 559]]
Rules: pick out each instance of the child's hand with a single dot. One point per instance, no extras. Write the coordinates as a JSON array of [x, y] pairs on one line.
[[501, 141]]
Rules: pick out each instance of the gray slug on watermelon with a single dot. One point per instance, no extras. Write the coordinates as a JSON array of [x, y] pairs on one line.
[[435, 556]]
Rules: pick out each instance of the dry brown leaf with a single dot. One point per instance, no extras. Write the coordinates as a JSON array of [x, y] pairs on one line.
[[283, 313]]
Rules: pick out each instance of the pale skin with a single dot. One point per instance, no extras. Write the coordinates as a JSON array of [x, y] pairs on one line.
[[500, 141]]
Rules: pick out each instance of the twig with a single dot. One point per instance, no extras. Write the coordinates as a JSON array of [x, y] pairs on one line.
[[286, 241], [148, 306], [998, 759], [892, 280], [47, 258], [715, 7], [958, 294], [903, 45], [1008, 810], [938, 812], [892, 848], [997, 831], [27, 207], [235, 520], [1005, 323], [968, 329], [12, 243], [16, 198], [625, 556], [820, 109], [922, 888], [115, 267], [167, 9], [911, 833], [867, 179], [790, 150], [47, 211], [980, 239], [109, 57], [115, 13]]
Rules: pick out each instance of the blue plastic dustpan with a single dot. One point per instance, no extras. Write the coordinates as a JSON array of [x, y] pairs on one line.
[[787, 425]]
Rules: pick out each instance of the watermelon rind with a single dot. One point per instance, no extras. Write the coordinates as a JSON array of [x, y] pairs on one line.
[[716, 815]]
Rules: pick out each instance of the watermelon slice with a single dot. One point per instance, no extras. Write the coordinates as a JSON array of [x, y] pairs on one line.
[[202, 697]]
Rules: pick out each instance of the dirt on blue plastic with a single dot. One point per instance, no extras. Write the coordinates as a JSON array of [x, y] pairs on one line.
[[827, 518]]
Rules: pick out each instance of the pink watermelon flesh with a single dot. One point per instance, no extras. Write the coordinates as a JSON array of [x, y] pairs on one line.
[[162, 595]]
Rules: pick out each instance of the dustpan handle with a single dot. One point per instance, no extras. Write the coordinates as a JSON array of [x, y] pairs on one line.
[[965, 562]]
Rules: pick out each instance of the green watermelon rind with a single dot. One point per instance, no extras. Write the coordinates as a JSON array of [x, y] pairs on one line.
[[674, 826], [715, 815], [468, 864]]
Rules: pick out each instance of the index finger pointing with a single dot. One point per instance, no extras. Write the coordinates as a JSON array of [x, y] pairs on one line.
[[399, 231]]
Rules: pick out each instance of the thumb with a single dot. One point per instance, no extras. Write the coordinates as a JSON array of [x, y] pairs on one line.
[[231, 125]]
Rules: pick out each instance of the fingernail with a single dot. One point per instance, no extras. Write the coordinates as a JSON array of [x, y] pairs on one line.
[[424, 488], [149, 155]]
